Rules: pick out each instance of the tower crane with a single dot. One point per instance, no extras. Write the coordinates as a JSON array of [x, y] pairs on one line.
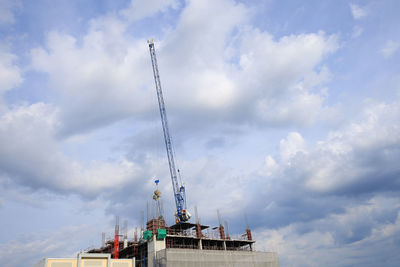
[[182, 215]]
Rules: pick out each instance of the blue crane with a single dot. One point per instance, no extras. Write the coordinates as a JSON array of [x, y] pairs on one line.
[[182, 215]]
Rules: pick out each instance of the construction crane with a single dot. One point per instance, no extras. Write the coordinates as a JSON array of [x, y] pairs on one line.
[[182, 215]]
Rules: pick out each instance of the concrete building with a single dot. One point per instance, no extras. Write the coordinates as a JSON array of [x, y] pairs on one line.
[[87, 260]]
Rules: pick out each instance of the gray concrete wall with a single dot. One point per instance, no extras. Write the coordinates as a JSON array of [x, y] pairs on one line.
[[215, 258], [153, 248]]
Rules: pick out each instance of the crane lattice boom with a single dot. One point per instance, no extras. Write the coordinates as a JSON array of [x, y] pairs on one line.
[[182, 214]]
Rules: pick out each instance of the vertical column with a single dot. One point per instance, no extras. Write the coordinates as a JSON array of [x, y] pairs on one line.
[[153, 246]]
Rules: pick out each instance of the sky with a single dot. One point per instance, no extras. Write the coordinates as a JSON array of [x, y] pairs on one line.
[[286, 111]]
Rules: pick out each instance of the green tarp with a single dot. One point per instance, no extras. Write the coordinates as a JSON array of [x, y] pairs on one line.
[[161, 233], [147, 235]]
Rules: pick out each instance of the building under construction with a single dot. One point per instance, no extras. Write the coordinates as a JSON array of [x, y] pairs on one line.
[[186, 244], [181, 244]]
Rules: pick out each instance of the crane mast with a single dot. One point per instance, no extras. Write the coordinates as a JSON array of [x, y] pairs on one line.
[[182, 215]]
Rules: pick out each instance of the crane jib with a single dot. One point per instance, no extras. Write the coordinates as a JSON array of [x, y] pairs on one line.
[[179, 191]]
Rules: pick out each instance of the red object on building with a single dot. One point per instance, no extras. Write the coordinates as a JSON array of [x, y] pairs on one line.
[[221, 232], [248, 232], [116, 247], [116, 240], [198, 231]]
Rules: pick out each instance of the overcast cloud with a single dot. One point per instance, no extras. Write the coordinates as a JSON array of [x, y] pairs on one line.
[[288, 112]]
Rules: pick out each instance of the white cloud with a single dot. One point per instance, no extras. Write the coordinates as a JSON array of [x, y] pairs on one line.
[[278, 75], [10, 74], [100, 81], [140, 9], [63, 242], [291, 146], [107, 76], [269, 84], [306, 184], [337, 156], [390, 48], [271, 165], [31, 156], [207, 178], [221, 74], [332, 115], [317, 244], [221, 96], [196, 73], [358, 12], [348, 158], [357, 31]]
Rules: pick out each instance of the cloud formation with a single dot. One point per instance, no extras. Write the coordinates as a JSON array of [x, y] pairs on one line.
[[322, 243], [138, 10], [107, 71], [358, 162], [40, 245], [390, 48], [32, 156], [358, 12], [98, 82], [10, 73], [288, 124]]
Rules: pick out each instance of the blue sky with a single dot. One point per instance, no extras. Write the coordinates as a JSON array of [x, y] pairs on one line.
[[287, 111]]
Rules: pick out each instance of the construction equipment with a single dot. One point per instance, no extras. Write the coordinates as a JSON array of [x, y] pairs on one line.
[[156, 197], [182, 215]]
